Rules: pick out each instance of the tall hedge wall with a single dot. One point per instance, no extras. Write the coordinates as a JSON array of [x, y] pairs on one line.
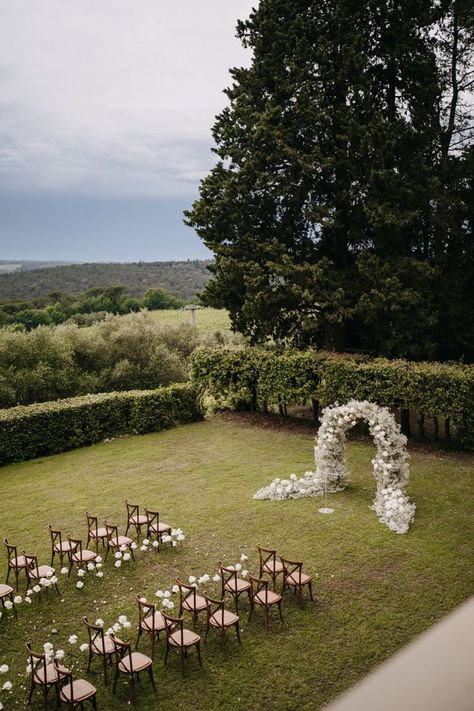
[[263, 377], [50, 427]]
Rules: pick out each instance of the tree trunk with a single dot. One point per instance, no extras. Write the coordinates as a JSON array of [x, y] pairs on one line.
[[405, 421], [315, 407]]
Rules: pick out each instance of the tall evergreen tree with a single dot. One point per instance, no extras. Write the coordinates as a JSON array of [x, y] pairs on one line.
[[321, 210]]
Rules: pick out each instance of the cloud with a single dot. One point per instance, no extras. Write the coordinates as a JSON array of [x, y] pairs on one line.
[[115, 96]]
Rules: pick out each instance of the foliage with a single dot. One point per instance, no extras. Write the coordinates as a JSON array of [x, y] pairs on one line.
[[340, 209], [30, 431], [294, 377]]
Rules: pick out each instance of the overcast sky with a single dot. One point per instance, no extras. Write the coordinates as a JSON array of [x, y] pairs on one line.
[[106, 108]]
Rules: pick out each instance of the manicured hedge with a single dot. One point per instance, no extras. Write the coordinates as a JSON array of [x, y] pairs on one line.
[[50, 427], [265, 376]]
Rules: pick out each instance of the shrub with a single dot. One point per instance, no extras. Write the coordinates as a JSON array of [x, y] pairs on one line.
[[50, 427]]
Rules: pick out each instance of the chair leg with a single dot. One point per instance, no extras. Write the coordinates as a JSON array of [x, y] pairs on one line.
[[31, 690], [150, 673], [198, 646], [236, 598], [166, 653], [267, 622], [138, 637], [237, 629], [181, 660], [8, 573], [310, 590], [94, 702], [132, 554], [279, 610], [104, 657], [115, 680], [132, 683], [15, 611]]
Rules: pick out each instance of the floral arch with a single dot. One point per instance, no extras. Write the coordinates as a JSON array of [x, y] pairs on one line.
[[390, 464]]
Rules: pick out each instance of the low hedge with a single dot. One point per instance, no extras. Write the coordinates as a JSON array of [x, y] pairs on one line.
[[51, 427], [265, 376]]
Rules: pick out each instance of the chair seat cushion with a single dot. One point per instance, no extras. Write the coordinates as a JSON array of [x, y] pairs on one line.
[[138, 520], [273, 566], [106, 648], [81, 690], [99, 533], [266, 598], [120, 541], [158, 624], [51, 674], [162, 527], [62, 547], [5, 590], [139, 661], [230, 618], [237, 585], [297, 578], [188, 639], [84, 556], [19, 562], [192, 604], [42, 571]]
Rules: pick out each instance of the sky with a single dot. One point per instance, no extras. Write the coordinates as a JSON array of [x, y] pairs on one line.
[[106, 110]]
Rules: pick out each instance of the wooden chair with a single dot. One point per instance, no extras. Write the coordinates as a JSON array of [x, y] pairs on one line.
[[94, 532], [35, 572], [73, 691], [16, 562], [180, 639], [115, 542], [100, 645], [155, 527], [134, 518], [190, 601], [43, 674], [269, 564], [58, 547], [7, 591], [150, 621], [130, 663], [78, 555], [293, 577], [234, 585], [220, 619], [263, 597]]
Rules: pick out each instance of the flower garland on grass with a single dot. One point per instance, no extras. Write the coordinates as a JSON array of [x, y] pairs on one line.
[[390, 465]]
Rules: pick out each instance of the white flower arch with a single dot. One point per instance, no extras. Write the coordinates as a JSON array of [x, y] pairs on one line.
[[390, 464]]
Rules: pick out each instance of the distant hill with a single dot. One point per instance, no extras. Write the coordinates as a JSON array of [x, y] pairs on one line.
[[7, 266], [184, 279]]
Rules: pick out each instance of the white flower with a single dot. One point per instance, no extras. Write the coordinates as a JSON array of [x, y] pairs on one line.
[[99, 574], [244, 557], [192, 579], [73, 639], [244, 573], [17, 599], [116, 627], [146, 542], [118, 555], [7, 686], [126, 556], [64, 571], [293, 477], [216, 578], [118, 563], [90, 566], [28, 599], [53, 580], [167, 593], [174, 544], [133, 545], [180, 537], [59, 654], [122, 548], [28, 593], [143, 599], [122, 619], [159, 593], [48, 647], [79, 584], [98, 559], [81, 573], [238, 566], [175, 588], [127, 624], [98, 566], [99, 622], [84, 647], [143, 548], [4, 668], [155, 544]]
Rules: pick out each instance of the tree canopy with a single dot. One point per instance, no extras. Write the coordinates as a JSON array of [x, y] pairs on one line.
[[340, 210]]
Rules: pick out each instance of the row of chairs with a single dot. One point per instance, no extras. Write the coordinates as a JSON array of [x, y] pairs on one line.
[[73, 549]]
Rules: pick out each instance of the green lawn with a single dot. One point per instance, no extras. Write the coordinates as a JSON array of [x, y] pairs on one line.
[[208, 321], [375, 589]]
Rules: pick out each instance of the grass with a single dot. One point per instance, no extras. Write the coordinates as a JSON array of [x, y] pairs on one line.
[[208, 321], [375, 589]]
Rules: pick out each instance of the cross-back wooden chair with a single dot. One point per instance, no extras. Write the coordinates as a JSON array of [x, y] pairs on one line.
[[95, 532], [190, 601], [35, 573], [135, 518], [116, 541], [16, 562], [78, 555], [130, 663], [269, 565], [180, 639], [264, 598], [220, 619], [6, 591], [231, 583], [43, 674], [100, 645], [294, 578], [74, 691], [154, 527], [58, 546], [150, 621]]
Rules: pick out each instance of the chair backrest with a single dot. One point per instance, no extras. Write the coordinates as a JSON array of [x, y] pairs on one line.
[[291, 566], [266, 555], [259, 585], [122, 649], [227, 574], [152, 518], [37, 660], [133, 510], [92, 524], [11, 551], [216, 608], [185, 592], [112, 533], [96, 635], [66, 675], [55, 537], [174, 625], [76, 545], [31, 561], [144, 610]]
